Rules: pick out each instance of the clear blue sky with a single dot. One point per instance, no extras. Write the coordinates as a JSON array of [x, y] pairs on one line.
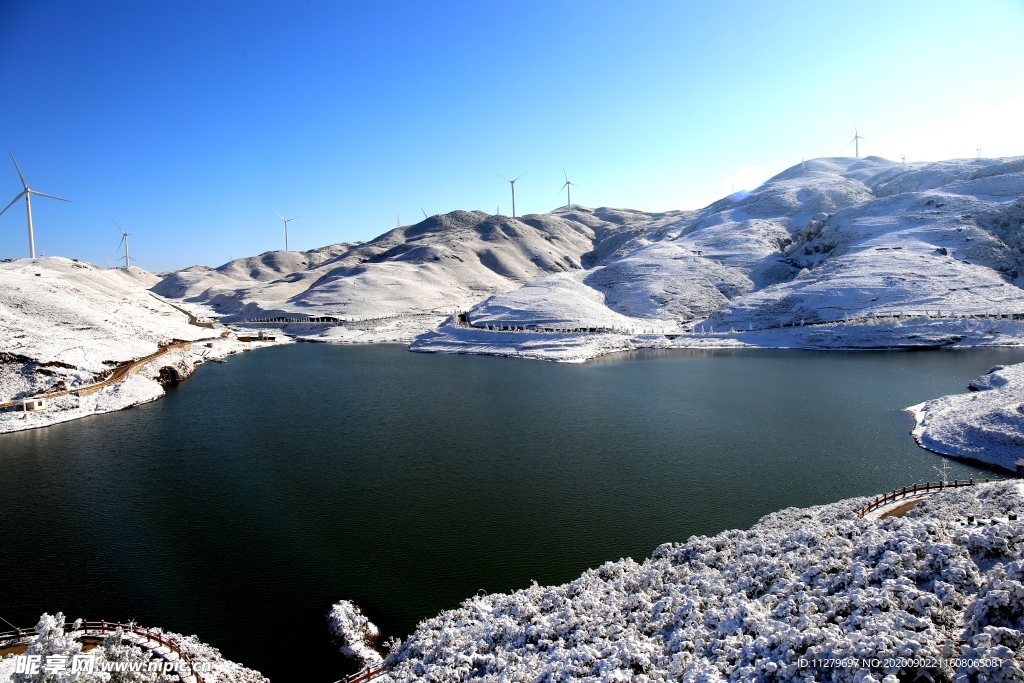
[[191, 123]]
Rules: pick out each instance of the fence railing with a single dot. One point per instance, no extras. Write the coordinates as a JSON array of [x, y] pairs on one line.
[[102, 627], [927, 487], [364, 675]]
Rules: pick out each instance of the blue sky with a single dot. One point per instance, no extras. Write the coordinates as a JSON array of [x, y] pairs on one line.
[[191, 123]]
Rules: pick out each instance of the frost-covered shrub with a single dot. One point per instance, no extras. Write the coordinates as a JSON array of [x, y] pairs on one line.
[[354, 634], [51, 641], [118, 648], [762, 605]]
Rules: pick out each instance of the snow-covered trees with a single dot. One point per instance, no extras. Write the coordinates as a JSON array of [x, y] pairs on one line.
[[806, 594]]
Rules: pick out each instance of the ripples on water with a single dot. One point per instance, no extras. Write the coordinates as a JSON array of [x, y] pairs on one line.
[[262, 490]]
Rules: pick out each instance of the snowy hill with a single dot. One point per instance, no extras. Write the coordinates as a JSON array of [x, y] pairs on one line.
[[441, 264], [836, 253], [805, 595], [68, 324]]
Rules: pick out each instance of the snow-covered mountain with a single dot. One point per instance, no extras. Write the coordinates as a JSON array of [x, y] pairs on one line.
[[443, 263], [834, 253], [861, 253]]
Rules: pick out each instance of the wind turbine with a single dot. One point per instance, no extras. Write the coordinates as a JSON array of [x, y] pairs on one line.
[[856, 142], [27, 194], [286, 222], [513, 184], [124, 241], [567, 187]]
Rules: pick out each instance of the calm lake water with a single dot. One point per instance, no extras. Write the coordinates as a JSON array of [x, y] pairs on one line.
[[240, 507]]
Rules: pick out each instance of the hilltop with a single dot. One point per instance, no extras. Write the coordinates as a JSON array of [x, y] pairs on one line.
[[833, 253]]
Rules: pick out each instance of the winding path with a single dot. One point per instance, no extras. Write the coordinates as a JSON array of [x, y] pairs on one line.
[[131, 367]]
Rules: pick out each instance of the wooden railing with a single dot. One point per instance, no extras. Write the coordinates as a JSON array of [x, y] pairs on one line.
[[365, 675], [102, 627], [927, 487]]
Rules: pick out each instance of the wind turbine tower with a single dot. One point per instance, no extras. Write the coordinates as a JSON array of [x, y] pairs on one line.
[[27, 194], [567, 187], [513, 184], [856, 142], [286, 222], [979, 151], [124, 241]]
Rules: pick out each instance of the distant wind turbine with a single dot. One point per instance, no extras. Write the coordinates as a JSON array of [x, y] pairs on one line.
[[856, 142], [124, 241], [27, 194], [567, 187], [513, 184], [286, 222]]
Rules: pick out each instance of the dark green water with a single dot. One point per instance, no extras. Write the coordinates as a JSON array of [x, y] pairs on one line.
[[261, 491]]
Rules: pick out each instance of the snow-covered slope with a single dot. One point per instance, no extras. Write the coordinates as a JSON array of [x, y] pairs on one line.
[[67, 324], [855, 248], [986, 424], [805, 595], [834, 253], [444, 263]]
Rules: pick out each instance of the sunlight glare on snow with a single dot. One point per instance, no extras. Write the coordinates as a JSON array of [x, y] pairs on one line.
[[747, 179]]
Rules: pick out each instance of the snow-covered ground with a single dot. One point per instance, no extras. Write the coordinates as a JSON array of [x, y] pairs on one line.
[[812, 594], [839, 253], [834, 253], [986, 424], [66, 325], [407, 281]]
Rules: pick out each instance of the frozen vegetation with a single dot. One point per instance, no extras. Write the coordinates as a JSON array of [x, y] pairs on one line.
[[986, 424], [930, 591], [119, 659], [355, 635]]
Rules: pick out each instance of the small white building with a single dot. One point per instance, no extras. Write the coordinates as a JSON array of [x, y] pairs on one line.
[[33, 404]]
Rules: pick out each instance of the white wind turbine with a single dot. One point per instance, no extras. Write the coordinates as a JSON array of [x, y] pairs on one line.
[[124, 241], [27, 194], [856, 142], [286, 222], [567, 187], [513, 184]]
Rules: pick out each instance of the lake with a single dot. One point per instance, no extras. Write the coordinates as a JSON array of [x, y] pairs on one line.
[[260, 491]]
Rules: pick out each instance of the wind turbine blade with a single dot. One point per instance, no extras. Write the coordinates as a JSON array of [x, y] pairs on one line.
[[118, 226], [23, 183], [43, 194], [520, 175], [20, 195], [423, 212], [504, 178], [564, 175], [280, 216], [562, 187], [848, 144]]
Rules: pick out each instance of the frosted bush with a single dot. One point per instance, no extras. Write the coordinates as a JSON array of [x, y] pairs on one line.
[[802, 584], [354, 633]]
